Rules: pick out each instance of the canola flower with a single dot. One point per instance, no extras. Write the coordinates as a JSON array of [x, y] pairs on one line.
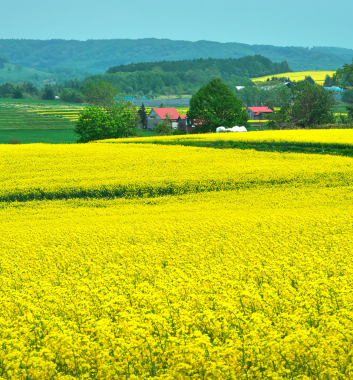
[[250, 284], [44, 171], [342, 138], [318, 76], [241, 270]]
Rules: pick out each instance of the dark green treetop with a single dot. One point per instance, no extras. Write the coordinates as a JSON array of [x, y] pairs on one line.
[[214, 105]]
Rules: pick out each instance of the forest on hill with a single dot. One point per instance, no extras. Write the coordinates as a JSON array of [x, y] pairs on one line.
[[96, 56], [250, 66], [187, 76]]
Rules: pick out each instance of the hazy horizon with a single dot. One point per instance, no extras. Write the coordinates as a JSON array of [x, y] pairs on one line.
[[170, 39], [305, 24]]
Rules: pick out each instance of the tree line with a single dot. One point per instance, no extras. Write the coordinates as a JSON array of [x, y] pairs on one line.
[[152, 79], [249, 66], [96, 56]]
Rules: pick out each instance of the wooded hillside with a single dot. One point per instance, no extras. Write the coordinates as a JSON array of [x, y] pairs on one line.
[[187, 76], [96, 56], [250, 66]]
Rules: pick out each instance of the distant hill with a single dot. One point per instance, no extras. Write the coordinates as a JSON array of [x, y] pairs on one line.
[[250, 66], [187, 76], [97, 56], [39, 77]]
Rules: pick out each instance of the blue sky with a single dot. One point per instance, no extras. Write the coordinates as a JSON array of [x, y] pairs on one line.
[[273, 22]]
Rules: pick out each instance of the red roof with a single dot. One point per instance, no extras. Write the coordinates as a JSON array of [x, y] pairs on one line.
[[161, 112], [183, 117], [258, 110]]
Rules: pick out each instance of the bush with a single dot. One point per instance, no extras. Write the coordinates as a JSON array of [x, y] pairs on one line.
[[347, 96], [72, 96], [96, 123], [163, 129]]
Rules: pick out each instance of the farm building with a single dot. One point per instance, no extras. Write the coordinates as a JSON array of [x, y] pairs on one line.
[[158, 114], [258, 113]]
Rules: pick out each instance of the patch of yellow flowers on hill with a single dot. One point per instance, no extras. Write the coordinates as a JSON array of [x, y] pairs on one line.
[[318, 76]]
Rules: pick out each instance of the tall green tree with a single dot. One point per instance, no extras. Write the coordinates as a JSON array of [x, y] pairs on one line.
[[48, 93], [143, 116], [309, 79], [328, 81], [17, 94], [214, 105], [303, 105], [101, 94], [96, 123], [344, 77]]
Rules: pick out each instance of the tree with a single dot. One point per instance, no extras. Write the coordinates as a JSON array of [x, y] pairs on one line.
[[101, 94], [72, 96], [281, 99], [350, 112], [30, 89], [143, 116], [48, 93], [347, 96], [17, 94], [164, 128], [309, 79], [7, 90], [328, 81], [4, 59], [303, 105], [95, 123], [19, 67], [215, 105], [344, 77]]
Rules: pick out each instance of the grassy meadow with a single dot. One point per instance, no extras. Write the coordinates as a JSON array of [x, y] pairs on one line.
[[128, 259]]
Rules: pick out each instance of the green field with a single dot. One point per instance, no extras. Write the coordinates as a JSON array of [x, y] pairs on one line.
[[20, 125], [23, 121], [41, 121], [37, 102], [15, 117], [48, 136]]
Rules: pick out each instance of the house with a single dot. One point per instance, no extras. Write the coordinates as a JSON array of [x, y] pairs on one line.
[[158, 114], [258, 113], [182, 118]]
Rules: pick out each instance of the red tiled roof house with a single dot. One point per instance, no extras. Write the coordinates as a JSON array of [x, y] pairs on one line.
[[158, 114], [258, 113]]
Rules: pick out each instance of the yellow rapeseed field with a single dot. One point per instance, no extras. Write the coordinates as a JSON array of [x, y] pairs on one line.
[[318, 76], [333, 137], [44, 171], [241, 270]]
